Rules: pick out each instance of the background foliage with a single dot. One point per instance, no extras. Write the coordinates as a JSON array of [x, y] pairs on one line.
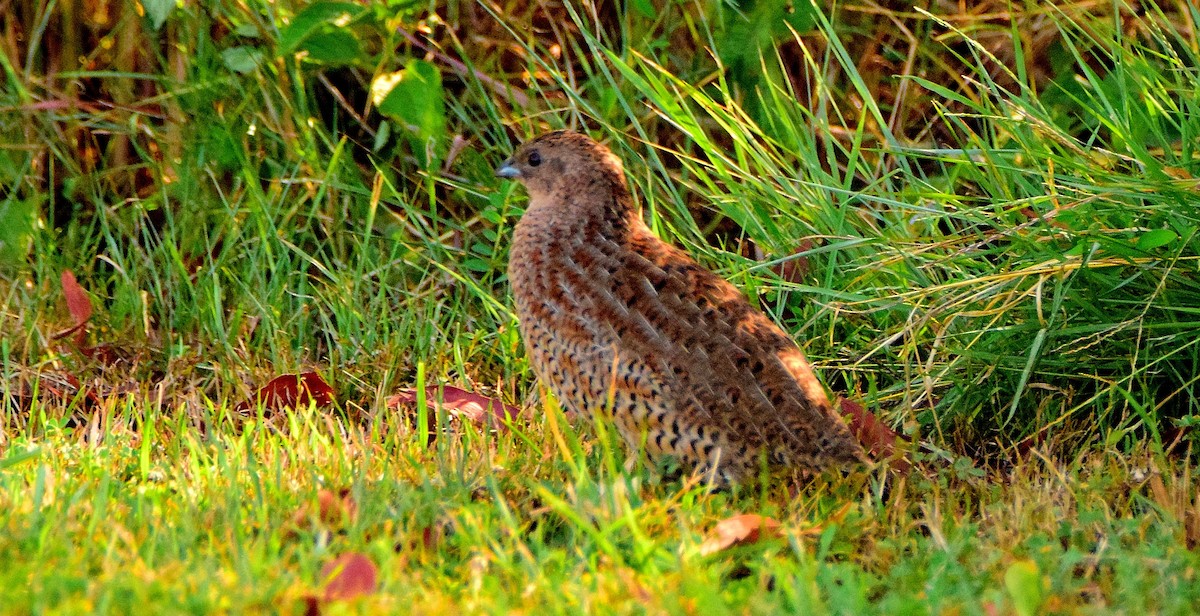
[[980, 220], [995, 212]]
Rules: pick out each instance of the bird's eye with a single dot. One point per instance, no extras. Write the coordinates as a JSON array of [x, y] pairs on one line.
[[535, 159]]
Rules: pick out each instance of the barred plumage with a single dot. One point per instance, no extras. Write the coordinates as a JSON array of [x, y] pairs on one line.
[[615, 318]]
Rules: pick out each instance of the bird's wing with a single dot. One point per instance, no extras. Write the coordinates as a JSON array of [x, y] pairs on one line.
[[728, 362]]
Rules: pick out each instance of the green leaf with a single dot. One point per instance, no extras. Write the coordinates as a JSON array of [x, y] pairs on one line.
[[382, 134], [158, 11], [17, 458], [943, 92], [308, 21], [477, 265], [756, 24], [336, 47], [1156, 238], [415, 99], [18, 218], [242, 59], [644, 7], [1024, 584], [800, 16]]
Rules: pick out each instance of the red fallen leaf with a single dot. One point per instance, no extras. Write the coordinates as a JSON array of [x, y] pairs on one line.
[[795, 269], [78, 301], [738, 530], [1049, 217], [430, 537], [88, 394], [105, 354], [1175, 434], [80, 306], [334, 510], [57, 388], [458, 403], [349, 576], [878, 439], [1037, 439], [291, 391]]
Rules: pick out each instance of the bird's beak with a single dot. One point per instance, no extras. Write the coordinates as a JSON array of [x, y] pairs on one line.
[[508, 170]]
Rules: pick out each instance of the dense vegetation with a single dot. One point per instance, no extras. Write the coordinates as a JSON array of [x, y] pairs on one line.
[[984, 224]]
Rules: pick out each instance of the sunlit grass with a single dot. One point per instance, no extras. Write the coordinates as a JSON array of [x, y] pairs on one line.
[[154, 512], [992, 256]]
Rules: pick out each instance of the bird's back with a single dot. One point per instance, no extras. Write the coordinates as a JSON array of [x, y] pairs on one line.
[[616, 320], [685, 364]]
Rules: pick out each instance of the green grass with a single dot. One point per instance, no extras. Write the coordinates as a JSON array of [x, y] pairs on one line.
[[1000, 241], [154, 513]]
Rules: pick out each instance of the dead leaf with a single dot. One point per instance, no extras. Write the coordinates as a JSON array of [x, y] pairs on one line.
[[743, 529], [78, 301], [795, 269], [431, 537], [458, 403], [291, 391], [875, 436], [1037, 439], [334, 511], [56, 388], [1049, 217], [349, 576], [105, 354], [80, 306]]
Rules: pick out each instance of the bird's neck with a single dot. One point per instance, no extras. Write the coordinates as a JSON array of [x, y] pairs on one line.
[[600, 206]]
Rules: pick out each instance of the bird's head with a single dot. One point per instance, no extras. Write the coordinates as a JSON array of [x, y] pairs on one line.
[[561, 164]]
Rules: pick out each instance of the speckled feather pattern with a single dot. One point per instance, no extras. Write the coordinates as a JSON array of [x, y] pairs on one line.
[[616, 320]]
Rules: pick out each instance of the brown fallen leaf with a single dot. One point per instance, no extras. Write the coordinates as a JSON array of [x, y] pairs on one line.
[[743, 529], [349, 576], [291, 391], [876, 437], [458, 403]]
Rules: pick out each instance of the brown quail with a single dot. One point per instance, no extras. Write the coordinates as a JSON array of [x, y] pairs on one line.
[[616, 320]]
